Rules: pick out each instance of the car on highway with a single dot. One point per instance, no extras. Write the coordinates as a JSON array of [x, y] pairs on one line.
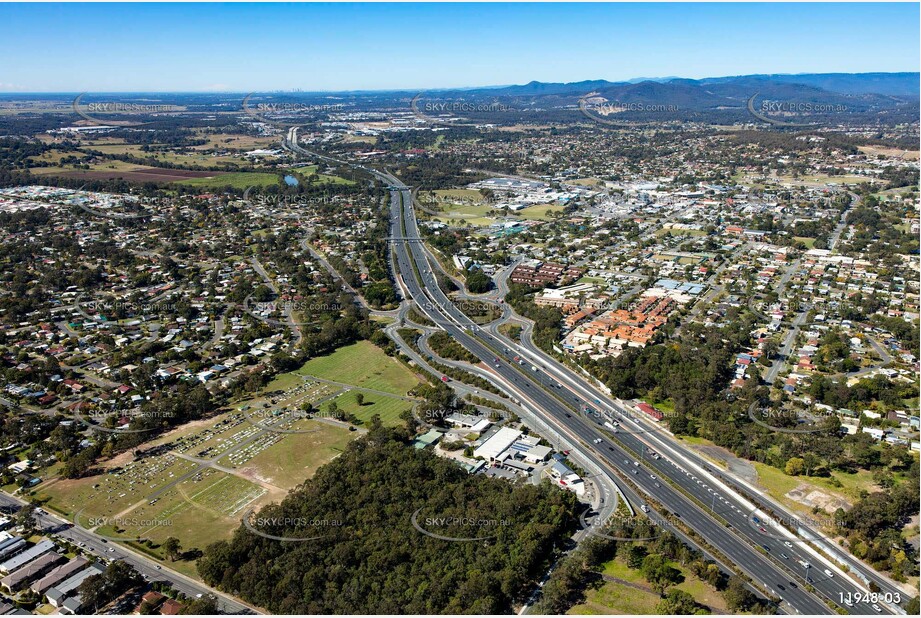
[[829, 573], [788, 543], [765, 547], [784, 556], [877, 608]]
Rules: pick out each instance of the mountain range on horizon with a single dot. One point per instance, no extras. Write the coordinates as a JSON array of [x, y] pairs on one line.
[[893, 84]]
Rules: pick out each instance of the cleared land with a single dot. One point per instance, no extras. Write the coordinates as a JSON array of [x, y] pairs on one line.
[[311, 170], [362, 364], [388, 408], [625, 591], [291, 461]]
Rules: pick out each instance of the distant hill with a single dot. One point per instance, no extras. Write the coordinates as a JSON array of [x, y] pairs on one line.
[[897, 84], [893, 84], [855, 93]]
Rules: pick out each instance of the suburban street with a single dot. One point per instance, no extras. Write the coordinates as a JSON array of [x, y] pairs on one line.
[[52, 524]]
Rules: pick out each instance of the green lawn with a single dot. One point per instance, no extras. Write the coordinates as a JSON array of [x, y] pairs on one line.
[[540, 212], [614, 598], [237, 180], [778, 483], [310, 170], [389, 408], [362, 364], [618, 598]]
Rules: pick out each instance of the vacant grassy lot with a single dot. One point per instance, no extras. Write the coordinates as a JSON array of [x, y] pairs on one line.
[[311, 170], [296, 458], [362, 364], [235, 141], [389, 408], [237, 180], [633, 595], [778, 483], [541, 212]]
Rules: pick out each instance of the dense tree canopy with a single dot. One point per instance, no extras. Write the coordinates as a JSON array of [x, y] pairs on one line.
[[374, 560]]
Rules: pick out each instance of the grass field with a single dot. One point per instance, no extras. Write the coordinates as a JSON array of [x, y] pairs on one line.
[[310, 170], [389, 408], [779, 483], [621, 598], [809, 242], [541, 212], [614, 598], [460, 196], [677, 231], [362, 364], [587, 182], [105, 166], [237, 180], [297, 457], [166, 157], [234, 141]]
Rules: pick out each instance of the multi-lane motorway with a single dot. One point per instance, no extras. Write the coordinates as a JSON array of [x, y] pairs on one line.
[[772, 556]]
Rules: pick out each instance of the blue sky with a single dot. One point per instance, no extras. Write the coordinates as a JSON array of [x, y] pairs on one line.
[[258, 47]]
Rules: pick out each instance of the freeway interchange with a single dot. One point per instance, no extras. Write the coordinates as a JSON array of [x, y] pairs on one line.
[[780, 563]]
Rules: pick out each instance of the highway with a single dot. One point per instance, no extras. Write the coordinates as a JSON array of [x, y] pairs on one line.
[[715, 512], [534, 390]]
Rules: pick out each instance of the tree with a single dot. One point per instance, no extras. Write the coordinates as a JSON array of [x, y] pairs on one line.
[[678, 602], [635, 556], [205, 606], [172, 548], [659, 573], [738, 596], [478, 282], [93, 592], [26, 518], [795, 466], [360, 399]]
